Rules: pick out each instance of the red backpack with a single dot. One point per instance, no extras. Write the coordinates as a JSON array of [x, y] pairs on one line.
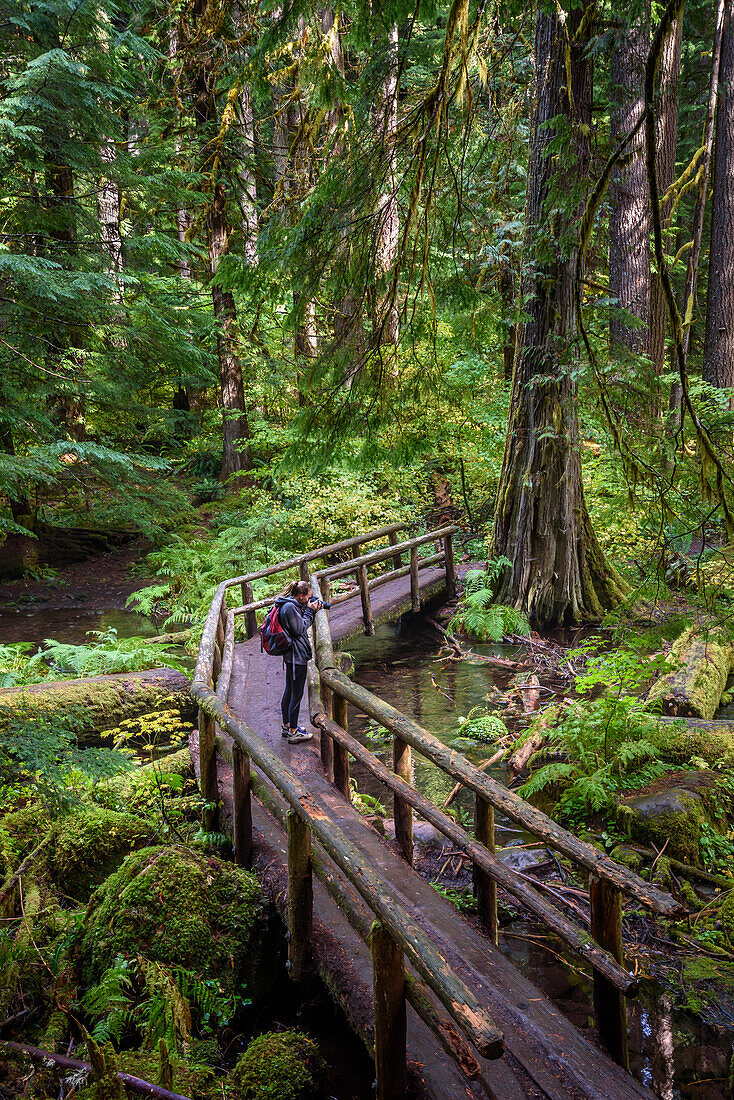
[[273, 638]]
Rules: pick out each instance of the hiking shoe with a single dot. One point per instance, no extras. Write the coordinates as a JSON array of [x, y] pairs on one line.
[[285, 731], [300, 735]]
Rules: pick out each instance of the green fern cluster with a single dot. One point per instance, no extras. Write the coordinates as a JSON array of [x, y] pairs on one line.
[[596, 749], [104, 653], [478, 615], [152, 1001]]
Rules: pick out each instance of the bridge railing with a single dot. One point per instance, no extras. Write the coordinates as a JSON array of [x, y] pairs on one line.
[[330, 693]]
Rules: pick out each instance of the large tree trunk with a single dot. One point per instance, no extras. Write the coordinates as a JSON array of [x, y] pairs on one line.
[[667, 139], [718, 351], [629, 199], [108, 209], [558, 573]]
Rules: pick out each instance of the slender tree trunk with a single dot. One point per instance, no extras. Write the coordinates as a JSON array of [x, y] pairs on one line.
[[507, 298], [694, 256], [718, 350], [385, 321], [667, 139], [108, 209], [558, 573], [629, 199]]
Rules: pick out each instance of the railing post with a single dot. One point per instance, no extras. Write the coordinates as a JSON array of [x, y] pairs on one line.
[[325, 591], [327, 743], [364, 591], [397, 559], [250, 619], [388, 991], [341, 756], [242, 806], [402, 760], [609, 1003], [217, 660], [415, 592], [304, 571], [448, 549], [300, 895], [485, 887], [208, 771]]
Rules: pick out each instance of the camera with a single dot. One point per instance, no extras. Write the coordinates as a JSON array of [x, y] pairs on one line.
[[324, 605]]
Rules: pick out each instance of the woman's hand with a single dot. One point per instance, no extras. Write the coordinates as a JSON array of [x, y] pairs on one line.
[[315, 604]]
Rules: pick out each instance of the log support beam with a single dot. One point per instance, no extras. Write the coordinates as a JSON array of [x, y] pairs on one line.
[[341, 756], [300, 896], [609, 1003], [485, 888], [242, 806], [388, 969], [402, 758]]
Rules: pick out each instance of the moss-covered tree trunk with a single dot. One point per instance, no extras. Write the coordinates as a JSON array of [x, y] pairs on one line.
[[558, 574]]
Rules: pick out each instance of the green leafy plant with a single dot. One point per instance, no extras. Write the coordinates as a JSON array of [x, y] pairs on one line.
[[478, 615], [365, 804]]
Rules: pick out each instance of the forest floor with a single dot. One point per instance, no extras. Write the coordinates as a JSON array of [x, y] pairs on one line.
[[103, 582]]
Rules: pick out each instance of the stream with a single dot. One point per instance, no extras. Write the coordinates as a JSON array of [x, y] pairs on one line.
[[672, 1052]]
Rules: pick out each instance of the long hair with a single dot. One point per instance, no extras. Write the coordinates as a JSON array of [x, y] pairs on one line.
[[296, 588]]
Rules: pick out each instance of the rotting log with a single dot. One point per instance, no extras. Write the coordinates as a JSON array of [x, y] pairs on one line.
[[504, 800], [702, 660], [521, 755], [417, 993], [388, 971], [102, 702], [576, 938], [136, 1084], [453, 993]]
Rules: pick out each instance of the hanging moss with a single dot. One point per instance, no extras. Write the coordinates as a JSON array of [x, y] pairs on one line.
[[90, 845], [180, 908], [277, 1066]]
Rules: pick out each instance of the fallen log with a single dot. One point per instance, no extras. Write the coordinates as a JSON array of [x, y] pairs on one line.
[[101, 702], [521, 755], [136, 1084], [702, 659]]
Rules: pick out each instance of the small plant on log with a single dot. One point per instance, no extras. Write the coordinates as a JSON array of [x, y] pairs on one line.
[[478, 615]]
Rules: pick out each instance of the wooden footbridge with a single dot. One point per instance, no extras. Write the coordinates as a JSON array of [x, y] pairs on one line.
[[444, 1013]]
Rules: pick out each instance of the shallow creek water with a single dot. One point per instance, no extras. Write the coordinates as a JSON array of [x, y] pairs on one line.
[[672, 1052]]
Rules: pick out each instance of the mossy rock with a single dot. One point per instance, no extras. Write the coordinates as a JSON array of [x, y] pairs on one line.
[[90, 845], [136, 789], [282, 1065], [672, 810], [628, 857], [180, 908]]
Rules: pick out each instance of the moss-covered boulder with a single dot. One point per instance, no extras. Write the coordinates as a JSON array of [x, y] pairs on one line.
[[90, 844], [140, 790], [678, 742], [181, 908], [673, 810], [282, 1065]]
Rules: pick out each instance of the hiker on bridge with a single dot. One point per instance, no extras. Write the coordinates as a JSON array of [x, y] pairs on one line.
[[295, 610]]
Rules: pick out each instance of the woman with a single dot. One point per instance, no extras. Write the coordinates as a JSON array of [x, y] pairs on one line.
[[296, 610]]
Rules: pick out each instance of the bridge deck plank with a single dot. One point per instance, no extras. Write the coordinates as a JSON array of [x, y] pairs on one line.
[[546, 1055]]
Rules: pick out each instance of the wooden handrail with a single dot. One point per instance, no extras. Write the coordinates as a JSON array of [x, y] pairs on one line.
[[342, 569], [319, 552], [417, 945], [503, 799], [571, 934]]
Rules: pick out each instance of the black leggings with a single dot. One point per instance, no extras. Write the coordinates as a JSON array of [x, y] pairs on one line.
[[295, 682]]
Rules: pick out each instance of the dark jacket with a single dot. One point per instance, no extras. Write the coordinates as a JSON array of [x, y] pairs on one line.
[[296, 620]]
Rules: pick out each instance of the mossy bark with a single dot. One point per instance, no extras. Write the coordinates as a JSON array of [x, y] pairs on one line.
[[702, 661], [102, 702]]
